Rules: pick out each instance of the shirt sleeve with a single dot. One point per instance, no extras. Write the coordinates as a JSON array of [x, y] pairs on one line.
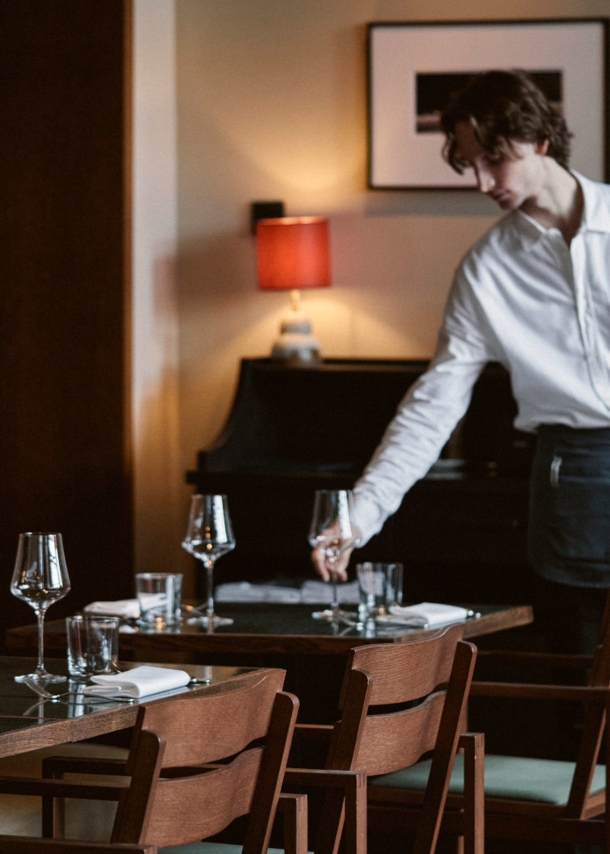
[[427, 414]]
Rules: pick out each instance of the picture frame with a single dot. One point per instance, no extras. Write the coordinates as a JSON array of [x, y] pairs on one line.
[[413, 67]]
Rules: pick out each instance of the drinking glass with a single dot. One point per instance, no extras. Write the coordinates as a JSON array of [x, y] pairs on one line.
[[333, 532], [40, 578], [209, 536]]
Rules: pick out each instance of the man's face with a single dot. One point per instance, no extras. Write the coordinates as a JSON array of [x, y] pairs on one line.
[[511, 179]]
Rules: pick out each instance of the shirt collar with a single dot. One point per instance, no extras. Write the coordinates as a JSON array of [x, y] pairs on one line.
[[595, 216], [596, 213], [528, 230]]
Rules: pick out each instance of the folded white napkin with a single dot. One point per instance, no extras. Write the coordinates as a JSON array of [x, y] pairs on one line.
[[348, 593], [139, 682], [310, 592], [243, 591], [119, 608], [426, 614]]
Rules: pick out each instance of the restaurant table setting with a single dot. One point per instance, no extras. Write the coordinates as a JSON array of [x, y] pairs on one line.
[[369, 607], [261, 625], [375, 592], [40, 577], [30, 720]]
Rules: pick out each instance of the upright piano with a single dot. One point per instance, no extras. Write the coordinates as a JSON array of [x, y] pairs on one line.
[[460, 532]]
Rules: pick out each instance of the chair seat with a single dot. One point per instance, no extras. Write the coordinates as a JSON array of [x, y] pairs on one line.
[[211, 848], [541, 780]]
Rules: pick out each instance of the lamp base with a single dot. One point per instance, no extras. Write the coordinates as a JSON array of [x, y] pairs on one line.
[[296, 345]]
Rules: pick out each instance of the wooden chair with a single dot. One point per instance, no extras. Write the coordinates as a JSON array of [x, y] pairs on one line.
[[399, 702], [27, 845], [529, 798], [196, 763]]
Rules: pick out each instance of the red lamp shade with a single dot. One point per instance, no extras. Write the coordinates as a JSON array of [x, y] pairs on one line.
[[292, 253]]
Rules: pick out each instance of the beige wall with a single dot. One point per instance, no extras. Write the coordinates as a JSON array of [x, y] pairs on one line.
[[271, 105], [158, 472]]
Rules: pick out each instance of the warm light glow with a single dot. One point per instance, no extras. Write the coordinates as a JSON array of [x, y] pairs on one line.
[[292, 253]]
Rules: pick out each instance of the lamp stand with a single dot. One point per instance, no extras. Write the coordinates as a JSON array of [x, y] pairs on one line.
[[296, 344]]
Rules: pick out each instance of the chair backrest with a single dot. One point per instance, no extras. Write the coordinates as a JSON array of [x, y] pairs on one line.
[[399, 701], [198, 763], [594, 725]]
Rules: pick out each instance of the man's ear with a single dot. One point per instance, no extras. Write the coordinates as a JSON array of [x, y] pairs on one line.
[[542, 147]]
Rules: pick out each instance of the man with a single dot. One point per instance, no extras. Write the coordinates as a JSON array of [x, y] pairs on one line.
[[533, 294]]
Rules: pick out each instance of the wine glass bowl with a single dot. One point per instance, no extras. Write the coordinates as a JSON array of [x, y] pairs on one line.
[[40, 578], [333, 532], [209, 536]]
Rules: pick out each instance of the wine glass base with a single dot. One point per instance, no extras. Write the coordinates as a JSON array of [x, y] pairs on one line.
[[335, 615], [327, 615], [42, 677]]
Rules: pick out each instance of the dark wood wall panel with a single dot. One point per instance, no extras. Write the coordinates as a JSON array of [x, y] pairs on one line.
[[64, 284]]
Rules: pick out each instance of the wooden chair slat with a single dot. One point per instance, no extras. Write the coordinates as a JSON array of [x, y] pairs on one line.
[[397, 740], [227, 793], [427, 670], [184, 717]]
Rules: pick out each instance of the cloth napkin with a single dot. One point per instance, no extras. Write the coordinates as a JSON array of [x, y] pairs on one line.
[[139, 682], [426, 614], [243, 591], [348, 593], [119, 608], [317, 592]]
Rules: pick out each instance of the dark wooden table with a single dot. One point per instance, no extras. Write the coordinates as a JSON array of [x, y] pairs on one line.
[[28, 722], [271, 635]]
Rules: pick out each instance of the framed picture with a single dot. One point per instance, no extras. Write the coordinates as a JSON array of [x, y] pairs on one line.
[[413, 69]]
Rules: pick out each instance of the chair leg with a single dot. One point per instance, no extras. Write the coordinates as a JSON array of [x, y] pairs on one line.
[[331, 823], [294, 815], [355, 830], [474, 792], [345, 807], [53, 818], [53, 809], [344, 816]]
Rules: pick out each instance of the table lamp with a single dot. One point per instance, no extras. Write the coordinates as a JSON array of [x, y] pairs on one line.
[[292, 253]]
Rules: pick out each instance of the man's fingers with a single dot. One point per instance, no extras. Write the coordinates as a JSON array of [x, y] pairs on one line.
[[326, 569], [318, 558], [340, 568]]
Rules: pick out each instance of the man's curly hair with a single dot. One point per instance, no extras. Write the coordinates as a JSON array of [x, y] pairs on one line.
[[503, 107]]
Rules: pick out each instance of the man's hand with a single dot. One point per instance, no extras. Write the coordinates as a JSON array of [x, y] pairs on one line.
[[331, 557], [326, 566]]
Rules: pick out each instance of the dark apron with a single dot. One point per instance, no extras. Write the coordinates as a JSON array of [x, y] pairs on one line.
[[569, 526]]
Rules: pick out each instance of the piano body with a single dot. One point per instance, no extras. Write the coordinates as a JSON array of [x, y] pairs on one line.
[[460, 532]]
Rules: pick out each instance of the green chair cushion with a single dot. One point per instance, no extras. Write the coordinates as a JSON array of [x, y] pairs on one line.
[[210, 848], [542, 780]]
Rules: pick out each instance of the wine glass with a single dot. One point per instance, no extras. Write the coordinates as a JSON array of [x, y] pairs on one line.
[[209, 536], [40, 578], [333, 532]]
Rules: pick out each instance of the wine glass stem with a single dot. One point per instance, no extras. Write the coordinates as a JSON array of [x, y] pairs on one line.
[[40, 617], [209, 607], [334, 605], [335, 598]]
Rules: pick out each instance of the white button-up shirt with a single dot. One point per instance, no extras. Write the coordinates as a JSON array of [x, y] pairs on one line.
[[524, 298]]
